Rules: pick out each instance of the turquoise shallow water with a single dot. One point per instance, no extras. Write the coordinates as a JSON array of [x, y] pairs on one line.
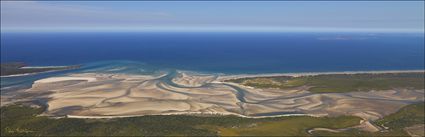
[[228, 53], [116, 66], [221, 52]]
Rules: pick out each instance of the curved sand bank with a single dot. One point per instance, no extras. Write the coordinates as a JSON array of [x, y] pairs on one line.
[[97, 95], [59, 79]]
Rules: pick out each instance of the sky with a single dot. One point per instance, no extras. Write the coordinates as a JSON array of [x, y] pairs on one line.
[[391, 16]]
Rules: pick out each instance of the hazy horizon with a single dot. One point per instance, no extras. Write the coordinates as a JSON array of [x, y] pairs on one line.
[[194, 16]]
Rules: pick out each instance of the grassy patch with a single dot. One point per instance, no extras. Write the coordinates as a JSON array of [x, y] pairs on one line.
[[339, 82], [22, 121], [407, 116], [291, 126]]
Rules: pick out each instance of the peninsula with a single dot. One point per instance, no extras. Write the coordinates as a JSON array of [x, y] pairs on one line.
[[20, 69]]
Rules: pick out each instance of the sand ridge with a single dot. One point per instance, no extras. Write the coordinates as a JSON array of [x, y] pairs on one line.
[[122, 95]]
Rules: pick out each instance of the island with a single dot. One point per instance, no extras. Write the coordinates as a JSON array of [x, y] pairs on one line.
[[20, 68]]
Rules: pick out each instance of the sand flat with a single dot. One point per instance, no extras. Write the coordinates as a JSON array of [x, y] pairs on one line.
[[121, 95], [57, 79]]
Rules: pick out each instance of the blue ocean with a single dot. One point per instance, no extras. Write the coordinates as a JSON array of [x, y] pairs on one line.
[[209, 52], [220, 52]]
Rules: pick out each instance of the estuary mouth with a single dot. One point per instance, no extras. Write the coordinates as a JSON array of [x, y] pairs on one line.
[[121, 89]]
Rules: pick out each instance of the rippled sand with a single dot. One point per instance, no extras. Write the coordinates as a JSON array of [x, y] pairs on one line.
[[95, 95]]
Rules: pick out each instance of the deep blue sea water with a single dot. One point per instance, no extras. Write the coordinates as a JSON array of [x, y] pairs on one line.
[[221, 52]]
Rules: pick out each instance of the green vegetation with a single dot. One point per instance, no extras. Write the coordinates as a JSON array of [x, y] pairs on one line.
[[291, 126], [407, 116], [17, 120], [17, 68], [21, 121], [339, 82]]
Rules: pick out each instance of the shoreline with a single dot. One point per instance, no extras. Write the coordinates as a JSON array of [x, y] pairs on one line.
[[27, 74], [237, 76], [194, 114], [55, 69], [180, 98], [31, 67]]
